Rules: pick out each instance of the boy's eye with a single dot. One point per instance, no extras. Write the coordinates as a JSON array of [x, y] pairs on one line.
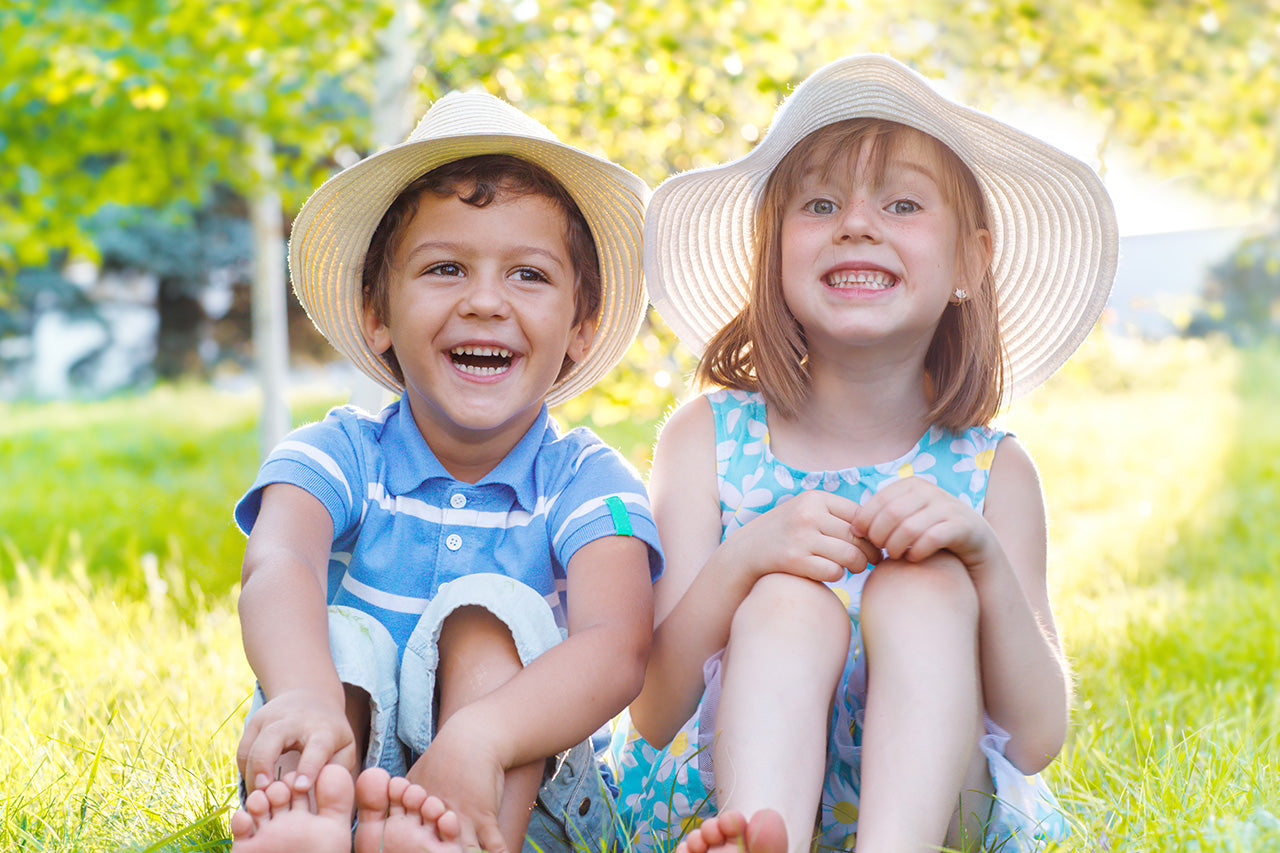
[[530, 274], [444, 268], [903, 207], [821, 206]]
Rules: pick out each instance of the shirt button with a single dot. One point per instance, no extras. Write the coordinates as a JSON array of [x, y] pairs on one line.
[[458, 501], [454, 542]]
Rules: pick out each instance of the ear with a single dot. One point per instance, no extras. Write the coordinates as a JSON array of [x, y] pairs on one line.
[[581, 337], [376, 333], [975, 260]]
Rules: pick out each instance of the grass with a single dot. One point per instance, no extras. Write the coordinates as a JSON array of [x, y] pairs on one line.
[[123, 677]]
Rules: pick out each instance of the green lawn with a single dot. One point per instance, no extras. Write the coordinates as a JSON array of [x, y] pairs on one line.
[[123, 679]]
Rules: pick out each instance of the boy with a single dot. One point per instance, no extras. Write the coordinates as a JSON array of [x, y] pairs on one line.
[[409, 576]]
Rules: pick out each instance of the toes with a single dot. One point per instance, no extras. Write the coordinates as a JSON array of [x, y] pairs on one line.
[[279, 795], [414, 798], [766, 833], [396, 789], [448, 825], [242, 824], [372, 801], [334, 791]]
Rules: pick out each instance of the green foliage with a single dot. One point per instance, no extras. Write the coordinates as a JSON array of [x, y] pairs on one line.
[[130, 482]]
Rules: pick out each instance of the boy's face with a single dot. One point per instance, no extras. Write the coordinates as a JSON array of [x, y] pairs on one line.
[[481, 315]]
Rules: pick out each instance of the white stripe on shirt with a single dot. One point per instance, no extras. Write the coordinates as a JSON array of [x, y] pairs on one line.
[[323, 459], [385, 600]]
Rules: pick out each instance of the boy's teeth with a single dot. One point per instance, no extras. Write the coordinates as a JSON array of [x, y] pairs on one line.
[[485, 351], [481, 360], [873, 280]]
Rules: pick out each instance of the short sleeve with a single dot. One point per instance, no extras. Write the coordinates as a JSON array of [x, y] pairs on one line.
[[320, 458], [604, 497]]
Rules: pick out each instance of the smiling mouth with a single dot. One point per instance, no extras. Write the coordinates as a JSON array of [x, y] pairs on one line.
[[481, 361], [861, 280]]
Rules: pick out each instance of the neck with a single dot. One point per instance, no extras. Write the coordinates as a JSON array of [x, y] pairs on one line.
[[860, 414], [468, 455]]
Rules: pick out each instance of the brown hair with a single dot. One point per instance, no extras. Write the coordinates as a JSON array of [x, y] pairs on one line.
[[485, 178], [763, 347]]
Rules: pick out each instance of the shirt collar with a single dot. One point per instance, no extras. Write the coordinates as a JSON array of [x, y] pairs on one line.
[[411, 462]]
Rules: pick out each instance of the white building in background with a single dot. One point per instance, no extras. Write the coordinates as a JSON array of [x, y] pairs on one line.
[[1161, 278]]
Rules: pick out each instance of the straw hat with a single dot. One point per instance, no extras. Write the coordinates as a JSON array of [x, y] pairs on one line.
[[1052, 223], [331, 234]]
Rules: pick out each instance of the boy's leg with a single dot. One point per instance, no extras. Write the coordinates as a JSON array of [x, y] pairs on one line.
[[478, 632], [787, 647], [478, 655], [923, 778]]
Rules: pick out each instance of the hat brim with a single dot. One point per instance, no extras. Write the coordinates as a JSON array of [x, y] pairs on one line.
[[1052, 223], [331, 235]]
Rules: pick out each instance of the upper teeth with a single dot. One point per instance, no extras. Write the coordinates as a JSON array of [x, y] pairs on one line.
[[861, 278], [485, 351]]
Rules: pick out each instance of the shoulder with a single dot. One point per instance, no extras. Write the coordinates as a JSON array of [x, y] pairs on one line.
[[689, 432], [1014, 480]]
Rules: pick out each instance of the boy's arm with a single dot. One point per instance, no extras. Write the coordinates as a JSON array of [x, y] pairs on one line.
[[561, 697], [284, 625]]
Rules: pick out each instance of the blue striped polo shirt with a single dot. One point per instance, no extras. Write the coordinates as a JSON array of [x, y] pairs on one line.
[[403, 525]]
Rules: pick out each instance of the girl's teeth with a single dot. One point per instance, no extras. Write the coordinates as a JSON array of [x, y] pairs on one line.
[[868, 280]]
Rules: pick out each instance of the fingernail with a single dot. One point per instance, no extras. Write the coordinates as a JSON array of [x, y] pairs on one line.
[[262, 780], [302, 783]]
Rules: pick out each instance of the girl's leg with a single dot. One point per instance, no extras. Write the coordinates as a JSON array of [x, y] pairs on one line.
[[787, 647], [478, 655], [923, 778]]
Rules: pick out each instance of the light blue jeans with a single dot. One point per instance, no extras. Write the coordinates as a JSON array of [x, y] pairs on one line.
[[575, 810]]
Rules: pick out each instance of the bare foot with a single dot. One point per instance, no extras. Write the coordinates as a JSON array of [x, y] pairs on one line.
[[397, 816], [730, 832], [278, 819]]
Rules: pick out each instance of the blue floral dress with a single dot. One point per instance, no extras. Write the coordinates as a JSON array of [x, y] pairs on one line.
[[666, 792]]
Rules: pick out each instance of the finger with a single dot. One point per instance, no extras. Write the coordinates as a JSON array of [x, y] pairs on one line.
[[870, 553], [316, 753], [260, 765]]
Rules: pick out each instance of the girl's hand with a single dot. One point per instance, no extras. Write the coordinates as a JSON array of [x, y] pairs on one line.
[[810, 536], [302, 721], [912, 519]]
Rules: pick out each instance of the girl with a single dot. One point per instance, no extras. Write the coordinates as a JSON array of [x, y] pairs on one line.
[[854, 624]]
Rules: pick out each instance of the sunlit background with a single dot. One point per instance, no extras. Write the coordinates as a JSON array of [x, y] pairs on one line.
[[154, 152]]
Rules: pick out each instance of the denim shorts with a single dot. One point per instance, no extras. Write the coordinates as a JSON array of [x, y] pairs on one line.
[[575, 810]]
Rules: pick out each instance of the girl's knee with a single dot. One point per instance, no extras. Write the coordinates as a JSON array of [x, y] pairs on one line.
[[786, 601], [938, 585]]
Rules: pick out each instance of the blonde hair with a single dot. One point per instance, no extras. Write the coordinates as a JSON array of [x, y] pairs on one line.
[[763, 347]]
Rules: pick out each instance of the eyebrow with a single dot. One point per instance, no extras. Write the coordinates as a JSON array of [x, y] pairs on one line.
[[452, 248], [913, 166]]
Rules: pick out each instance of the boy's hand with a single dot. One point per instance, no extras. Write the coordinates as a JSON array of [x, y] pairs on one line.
[[810, 536], [464, 771], [305, 721]]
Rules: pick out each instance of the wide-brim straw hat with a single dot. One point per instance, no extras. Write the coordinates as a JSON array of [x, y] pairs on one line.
[[331, 234], [1052, 223]]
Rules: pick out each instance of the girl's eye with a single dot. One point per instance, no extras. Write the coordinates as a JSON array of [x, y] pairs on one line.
[[821, 206], [902, 207], [444, 268]]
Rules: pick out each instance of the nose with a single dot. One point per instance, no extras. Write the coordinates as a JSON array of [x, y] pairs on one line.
[[858, 221], [485, 296]]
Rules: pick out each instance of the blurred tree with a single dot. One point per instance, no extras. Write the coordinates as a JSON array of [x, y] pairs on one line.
[[150, 102], [1192, 85]]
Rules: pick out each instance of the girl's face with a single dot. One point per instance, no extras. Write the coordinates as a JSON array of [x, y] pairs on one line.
[[871, 256]]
